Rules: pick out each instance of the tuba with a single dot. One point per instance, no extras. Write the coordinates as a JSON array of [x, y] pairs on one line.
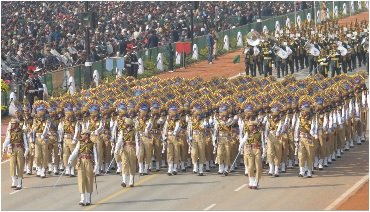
[[342, 49], [253, 38], [309, 47], [280, 52]]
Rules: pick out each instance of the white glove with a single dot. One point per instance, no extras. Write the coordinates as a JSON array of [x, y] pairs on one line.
[[240, 147], [96, 132], [59, 146], [163, 148], [321, 63], [74, 141], [214, 149], [263, 154], [69, 163], [42, 137]]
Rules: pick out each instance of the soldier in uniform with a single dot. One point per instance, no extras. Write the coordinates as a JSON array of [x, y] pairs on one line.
[[68, 131], [196, 138], [27, 126], [143, 125], [335, 62], [106, 135], [118, 126], [252, 145], [249, 62], [40, 130], [157, 122], [134, 62], [128, 149], [16, 146], [303, 133], [322, 126], [183, 144], [274, 130], [128, 62], [86, 154], [54, 145], [95, 126], [222, 136], [267, 59], [170, 136]]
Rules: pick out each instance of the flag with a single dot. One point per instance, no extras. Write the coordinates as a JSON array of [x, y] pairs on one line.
[[236, 59]]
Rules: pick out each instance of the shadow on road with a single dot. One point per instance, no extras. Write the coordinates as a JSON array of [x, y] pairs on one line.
[[142, 201]]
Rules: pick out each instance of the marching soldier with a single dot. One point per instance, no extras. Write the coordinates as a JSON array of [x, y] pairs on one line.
[[106, 135], [16, 146], [274, 129], [196, 138], [252, 145], [267, 59], [95, 126], [143, 125], [86, 154], [304, 131], [54, 145], [118, 126], [222, 136], [128, 144], [157, 122], [68, 131], [184, 147], [324, 62], [27, 126], [40, 130], [335, 62], [170, 136], [249, 62]]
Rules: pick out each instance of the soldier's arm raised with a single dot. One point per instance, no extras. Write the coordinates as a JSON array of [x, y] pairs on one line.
[[77, 129]]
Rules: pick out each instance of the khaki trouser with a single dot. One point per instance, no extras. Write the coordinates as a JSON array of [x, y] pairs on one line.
[[306, 152], [364, 120], [321, 145], [17, 162], [85, 176], [173, 149], [348, 131], [53, 150], [335, 139], [41, 152], [291, 147], [107, 147], [30, 156], [234, 144], [330, 146], [198, 150], [254, 156], [208, 148], [340, 137], [146, 150], [274, 149], [68, 148], [285, 148], [224, 150], [157, 146], [184, 147], [128, 157], [96, 139], [358, 128]]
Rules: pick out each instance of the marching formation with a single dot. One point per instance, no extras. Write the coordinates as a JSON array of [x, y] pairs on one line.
[[141, 126], [328, 49]]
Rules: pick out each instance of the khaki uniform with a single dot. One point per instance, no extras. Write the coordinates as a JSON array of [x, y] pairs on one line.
[[107, 145], [274, 147], [40, 129], [183, 144], [31, 154], [253, 153], [224, 146], [306, 146], [198, 144], [157, 141], [128, 153], [54, 157], [16, 144], [173, 145], [96, 126], [146, 146], [67, 131]]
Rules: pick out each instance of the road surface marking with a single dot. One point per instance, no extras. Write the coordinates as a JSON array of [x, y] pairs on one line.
[[2, 162], [241, 187], [11, 193], [111, 196], [347, 194], [209, 207]]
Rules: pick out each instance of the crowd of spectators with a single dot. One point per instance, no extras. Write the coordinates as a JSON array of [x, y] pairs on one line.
[[49, 34]]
